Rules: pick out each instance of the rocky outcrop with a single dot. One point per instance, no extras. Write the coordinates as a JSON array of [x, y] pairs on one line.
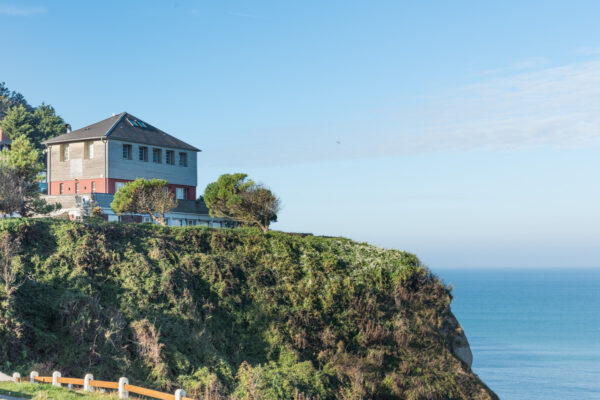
[[459, 345]]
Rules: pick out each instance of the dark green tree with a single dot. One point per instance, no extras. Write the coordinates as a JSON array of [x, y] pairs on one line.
[[9, 99], [235, 197]]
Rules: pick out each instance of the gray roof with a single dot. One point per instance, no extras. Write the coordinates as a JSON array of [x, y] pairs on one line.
[[118, 127]]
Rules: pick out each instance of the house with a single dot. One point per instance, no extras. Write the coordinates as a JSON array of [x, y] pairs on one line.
[[5, 141], [87, 166]]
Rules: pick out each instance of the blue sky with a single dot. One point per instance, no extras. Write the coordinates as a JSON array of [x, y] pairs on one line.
[[466, 132]]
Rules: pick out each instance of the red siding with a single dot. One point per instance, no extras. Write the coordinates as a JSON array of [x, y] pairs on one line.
[[85, 186]]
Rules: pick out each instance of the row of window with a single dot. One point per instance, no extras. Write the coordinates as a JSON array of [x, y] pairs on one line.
[[180, 193], [157, 155], [88, 150], [62, 187]]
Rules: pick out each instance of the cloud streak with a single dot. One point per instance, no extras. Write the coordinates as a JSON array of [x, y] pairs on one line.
[[547, 106], [12, 10]]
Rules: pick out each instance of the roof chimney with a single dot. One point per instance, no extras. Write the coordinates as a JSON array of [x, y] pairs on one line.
[[68, 128]]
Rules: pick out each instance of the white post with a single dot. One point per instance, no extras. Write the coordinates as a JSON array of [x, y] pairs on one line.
[[16, 376], [123, 394], [55, 376], [70, 386], [33, 375], [86, 383], [179, 394]]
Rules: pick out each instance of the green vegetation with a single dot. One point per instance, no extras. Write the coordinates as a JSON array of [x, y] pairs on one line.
[[230, 313], [48, 392], [18, 118], [145, 196], [19, 178], [233, 196]]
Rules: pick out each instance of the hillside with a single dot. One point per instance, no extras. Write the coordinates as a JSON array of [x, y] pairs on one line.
[[229, 313]]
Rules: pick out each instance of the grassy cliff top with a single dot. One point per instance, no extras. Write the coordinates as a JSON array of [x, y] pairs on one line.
[[229, 313]]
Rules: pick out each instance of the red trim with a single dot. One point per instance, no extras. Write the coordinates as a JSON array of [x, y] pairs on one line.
[[85, 186]]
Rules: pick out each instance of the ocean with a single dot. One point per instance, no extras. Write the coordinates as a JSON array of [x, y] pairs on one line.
[[534, 334]]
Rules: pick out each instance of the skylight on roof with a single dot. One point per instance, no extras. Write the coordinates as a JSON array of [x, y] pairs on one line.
[[132, 122], [141, 124]]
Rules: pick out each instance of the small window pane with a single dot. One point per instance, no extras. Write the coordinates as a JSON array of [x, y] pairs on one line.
[[143, 154], [157, 155], [170, 157], [89, 150], [183, 159], [127, 151]]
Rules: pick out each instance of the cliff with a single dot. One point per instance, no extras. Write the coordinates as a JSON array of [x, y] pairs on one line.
[[229, 313]]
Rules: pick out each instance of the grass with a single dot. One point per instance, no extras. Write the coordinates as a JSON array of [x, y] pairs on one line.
[[48, 392]]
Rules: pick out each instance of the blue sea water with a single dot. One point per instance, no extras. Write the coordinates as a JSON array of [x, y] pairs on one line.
[[534, 334]]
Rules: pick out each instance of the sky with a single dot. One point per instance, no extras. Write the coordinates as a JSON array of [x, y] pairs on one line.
[[465, 132]]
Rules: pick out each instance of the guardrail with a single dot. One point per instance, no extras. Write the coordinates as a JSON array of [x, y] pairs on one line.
[[89, 385]]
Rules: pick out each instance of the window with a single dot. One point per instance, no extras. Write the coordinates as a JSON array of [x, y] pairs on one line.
[[181, 193], [93, 187], [132, 122], [157, 156], [89, 150], [183, 159], [170, 157], [64, 152], [62, 188], [143, 153], [141, 124], [118, 186], [76, 187], [127, 151]]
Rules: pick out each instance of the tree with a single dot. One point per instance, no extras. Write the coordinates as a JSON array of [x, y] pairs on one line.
[[10, 281], [145, 196], [233, 196], [38, 125], [9, 99], [19, 189], [47, 124], [10, 191], [18, 121]]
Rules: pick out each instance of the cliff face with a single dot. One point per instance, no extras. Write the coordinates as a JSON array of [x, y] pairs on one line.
[[231, 313]]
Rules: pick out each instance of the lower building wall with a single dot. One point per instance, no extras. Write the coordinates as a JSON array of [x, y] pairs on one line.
[[85, 186], [69, 187]]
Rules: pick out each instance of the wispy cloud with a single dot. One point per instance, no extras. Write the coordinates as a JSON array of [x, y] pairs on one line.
[[588, 51], [13, 10], [549, 106]]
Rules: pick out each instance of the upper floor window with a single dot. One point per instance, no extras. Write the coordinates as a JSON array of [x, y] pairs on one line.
[[157, 156], [170, 157], [76, 187], [89, 150], [93, 187], [64, 152], [127, 151], [143, 153], [183, 159], [119, 185], [62, 188]]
